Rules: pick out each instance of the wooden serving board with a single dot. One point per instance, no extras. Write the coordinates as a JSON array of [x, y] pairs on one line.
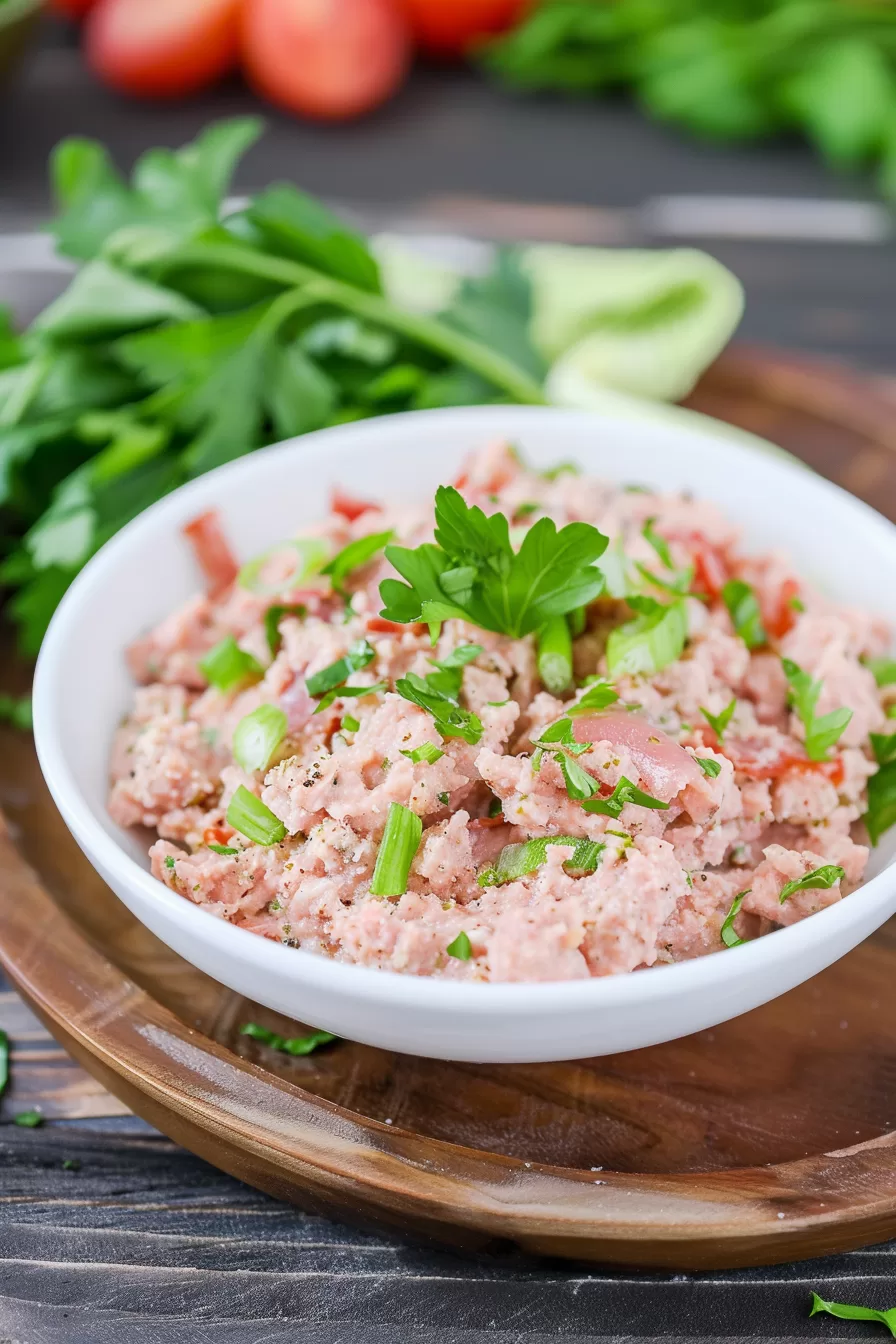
[[769, 1138]]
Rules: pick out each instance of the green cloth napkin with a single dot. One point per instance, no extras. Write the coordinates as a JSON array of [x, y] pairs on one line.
[[642, 322]]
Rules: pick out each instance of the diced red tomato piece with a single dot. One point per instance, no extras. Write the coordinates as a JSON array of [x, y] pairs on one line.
[[379, 625], [217, 835], [212, 551], [781, 621], [710, 570], [350, 507], [752, 764]]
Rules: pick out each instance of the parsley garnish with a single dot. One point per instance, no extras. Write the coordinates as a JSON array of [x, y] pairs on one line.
[[659, 544], [558, 742], [743, 608], [598, 695], [655, 637], [711, 768], [726, 932], [516, 861], [823, 878], [719, 722], [225, 850], [881, 814], [823, 732], [473, 573], [846, 1312], [450, 719], [354, 556], [448, 677], [169, 860], [883, 670], [288, 1045], [329, 682], [272, 618], [461, 948], [884, 747], [624, 792]]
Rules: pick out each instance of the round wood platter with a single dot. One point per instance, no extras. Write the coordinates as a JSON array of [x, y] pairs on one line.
[[770, 1138]]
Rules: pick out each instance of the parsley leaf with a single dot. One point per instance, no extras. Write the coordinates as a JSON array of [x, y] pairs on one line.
[[823, 732], [272, 618], [726, 932], [884, 747], [743, 608], [474, 574], [461, 947], [597, 696], [719, 722], [450, 719], [359, 655], [292, 1045], [710, 768], [823, 878], [659, 544], [354, 556], [624, 792], [845, 1312], [881, 814], [448, 677], [516, 861]]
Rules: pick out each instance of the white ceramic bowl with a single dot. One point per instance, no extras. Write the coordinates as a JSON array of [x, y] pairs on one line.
[[82, 687]]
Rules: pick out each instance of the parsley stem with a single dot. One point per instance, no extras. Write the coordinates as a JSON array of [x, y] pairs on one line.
[[427, 331], [555, 655]]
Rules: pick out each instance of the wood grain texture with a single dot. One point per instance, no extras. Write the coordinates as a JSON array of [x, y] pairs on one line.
[[700, 1163]]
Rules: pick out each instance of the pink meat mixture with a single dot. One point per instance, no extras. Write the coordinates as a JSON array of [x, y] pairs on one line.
[[666, 878]]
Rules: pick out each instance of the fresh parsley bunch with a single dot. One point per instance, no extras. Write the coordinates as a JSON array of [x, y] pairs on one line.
[[473, 573], [189, 337]]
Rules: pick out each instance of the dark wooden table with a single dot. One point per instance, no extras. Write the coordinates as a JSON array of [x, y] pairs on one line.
[[108, 1232]]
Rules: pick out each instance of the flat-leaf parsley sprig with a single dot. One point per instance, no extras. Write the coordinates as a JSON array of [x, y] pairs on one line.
[[822, 731], [472, 573]]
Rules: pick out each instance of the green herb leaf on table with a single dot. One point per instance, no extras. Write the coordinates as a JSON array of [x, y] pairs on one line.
[[28, 1119], [821, 878], [821, 732], [16, 711], [518, 861], [846, 1312], [288, 1045]]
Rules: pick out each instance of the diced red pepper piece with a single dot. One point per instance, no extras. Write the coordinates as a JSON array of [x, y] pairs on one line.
[[349, 506], [212, 551]]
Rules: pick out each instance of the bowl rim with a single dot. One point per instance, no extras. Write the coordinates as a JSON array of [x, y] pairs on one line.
[[393, 988]]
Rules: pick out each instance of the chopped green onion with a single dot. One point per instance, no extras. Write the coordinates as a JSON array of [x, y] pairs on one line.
[[288, 1045], [398, 846], [461, 948], [890, 711], [28, 1119], [719, 722], [350, 724], [359, 655], [711, 768], [517, 861], [248, 815], [308, 554], [257, 737], [169, 860], [659, 543], [743, 608], [353, 556], [272, 618], [225, 850], [726, 932], [624, 792], [821, 733], [649, 643], [598, 695], [555, 655], [883, 670], [578, 620], [428, 753], [845, 1311], [823, 878], [450, 719], [227, 667]]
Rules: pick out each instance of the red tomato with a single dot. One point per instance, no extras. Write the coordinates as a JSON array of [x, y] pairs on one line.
[[217, 835], [212, 551], [448, 28], [162, 48], [328, 59], [782, 620], [349, 505], [72, 9]]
